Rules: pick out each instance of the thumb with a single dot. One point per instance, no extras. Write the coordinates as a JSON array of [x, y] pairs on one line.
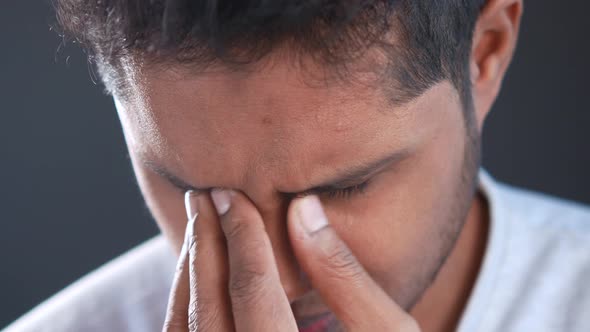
[[342, 282]]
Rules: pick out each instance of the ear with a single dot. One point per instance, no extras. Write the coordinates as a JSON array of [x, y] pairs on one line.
[[494, 41]]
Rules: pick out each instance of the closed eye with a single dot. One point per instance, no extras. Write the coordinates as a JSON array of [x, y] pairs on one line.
[[348, 192]]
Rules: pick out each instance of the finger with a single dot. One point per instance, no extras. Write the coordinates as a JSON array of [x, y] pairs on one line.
[[346, 287], [209, 308], [178, 300], [258, 300]]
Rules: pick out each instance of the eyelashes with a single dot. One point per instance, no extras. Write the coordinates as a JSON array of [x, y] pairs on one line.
[[343, 193], [348, 192]]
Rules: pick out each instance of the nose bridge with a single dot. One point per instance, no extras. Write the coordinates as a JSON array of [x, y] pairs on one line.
[[260, 180], [275, 220]]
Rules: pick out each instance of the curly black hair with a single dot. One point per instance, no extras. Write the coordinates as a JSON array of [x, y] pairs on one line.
[[431, 38]]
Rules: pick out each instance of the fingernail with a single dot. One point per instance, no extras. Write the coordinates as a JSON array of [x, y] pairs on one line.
[[191, 203], [311, 214], [221, 199]]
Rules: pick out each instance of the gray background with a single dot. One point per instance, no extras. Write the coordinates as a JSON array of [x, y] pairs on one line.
[[68, 198]]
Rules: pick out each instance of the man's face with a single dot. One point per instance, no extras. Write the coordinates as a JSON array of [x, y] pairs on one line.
[[267, 133]]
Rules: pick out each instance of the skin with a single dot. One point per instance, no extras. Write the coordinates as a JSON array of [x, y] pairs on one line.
[[265, 132]]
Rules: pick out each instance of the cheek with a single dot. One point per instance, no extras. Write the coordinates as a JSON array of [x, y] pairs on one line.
[[395, 228], [387, 229]]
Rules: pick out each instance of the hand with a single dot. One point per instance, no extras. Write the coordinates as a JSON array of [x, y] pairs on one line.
[[227, 280]]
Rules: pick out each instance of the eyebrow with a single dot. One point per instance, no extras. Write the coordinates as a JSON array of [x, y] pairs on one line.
[[349, 177]]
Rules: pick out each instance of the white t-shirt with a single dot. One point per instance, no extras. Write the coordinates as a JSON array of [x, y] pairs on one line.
[[535, 275]]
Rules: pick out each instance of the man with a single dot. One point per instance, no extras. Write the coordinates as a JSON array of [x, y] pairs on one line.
[[346, 135]]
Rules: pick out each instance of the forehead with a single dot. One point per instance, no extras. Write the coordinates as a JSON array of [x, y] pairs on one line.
[[270, 121]]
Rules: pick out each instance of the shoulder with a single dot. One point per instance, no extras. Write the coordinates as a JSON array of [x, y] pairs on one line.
[[544, 263], [537, 264], [543, 212], [129, 293], [550, 231]]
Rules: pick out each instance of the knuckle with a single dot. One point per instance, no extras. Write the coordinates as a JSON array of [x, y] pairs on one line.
[[204, 315], [252, 252], [193, 315], [236, 227], [342, 264], [247, 284]]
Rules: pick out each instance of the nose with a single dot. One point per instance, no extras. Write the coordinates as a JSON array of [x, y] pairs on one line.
[[293, 280]]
